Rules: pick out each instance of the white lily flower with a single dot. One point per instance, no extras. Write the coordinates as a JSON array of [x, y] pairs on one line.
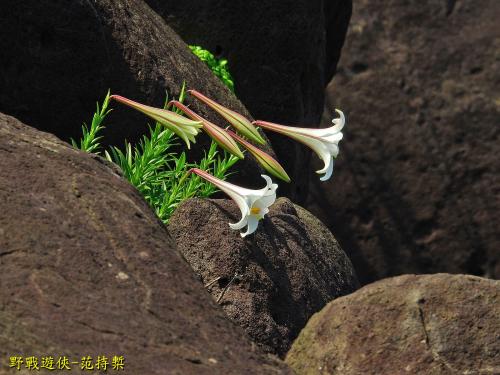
[[324, 142], [253, 204]]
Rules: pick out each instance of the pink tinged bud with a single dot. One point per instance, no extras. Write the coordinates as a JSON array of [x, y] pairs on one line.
[[267, 161], [185, 128], [239, 122], [218, 134]]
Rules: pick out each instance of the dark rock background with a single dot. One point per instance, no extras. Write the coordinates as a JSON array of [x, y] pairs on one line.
[[416, 187], [413, 324], [60, 58], [282, 54], [289, 268], [90, 266], [85, 264], [88, 269]]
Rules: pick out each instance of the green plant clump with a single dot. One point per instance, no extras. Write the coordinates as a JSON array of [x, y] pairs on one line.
[[154, 168], [218, 66]]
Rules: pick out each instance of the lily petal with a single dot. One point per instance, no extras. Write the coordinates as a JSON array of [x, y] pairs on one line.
[[324, 142], [327, 171], [266, 201], [268, 190], [253, 204], [253, 222], [240, 224], [338, 122]]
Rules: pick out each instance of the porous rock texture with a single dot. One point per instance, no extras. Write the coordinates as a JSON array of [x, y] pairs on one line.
[[282, 54], [59, 58], [417, 186], [438, 324], [288, 269], [87, 269]]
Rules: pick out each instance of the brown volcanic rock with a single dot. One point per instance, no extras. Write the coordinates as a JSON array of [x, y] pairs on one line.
[[290, 267], [60, 58], [88, 269], [281, 53], [417, 186], [431, 324]]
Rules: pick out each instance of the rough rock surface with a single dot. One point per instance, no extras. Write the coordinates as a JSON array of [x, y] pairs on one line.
[[281, 53], [59, 58], [88, 269], [417, 186], [430, 325], [289, 268]]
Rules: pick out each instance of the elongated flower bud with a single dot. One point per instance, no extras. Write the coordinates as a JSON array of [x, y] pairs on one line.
[[185, 128], [269, 163], [218, 134], [239, 122]]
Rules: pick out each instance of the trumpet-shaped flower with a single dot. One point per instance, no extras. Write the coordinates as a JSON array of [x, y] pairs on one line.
[[239, 122], [218, 134], [253, 204], [185, 128], [324, 142], [269, 163]]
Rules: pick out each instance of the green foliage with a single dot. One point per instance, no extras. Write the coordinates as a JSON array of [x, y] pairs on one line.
[[90, 140], [218, 66], [154, 168]]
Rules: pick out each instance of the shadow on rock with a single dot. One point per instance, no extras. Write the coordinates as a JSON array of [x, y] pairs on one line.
[[286, 271], [88, 269]]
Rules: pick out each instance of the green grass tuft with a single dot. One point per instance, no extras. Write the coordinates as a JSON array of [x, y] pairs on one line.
[[218, 66], [90, 138], [154, 168]]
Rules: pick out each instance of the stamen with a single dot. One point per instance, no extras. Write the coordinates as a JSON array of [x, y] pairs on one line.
[[255, 210]]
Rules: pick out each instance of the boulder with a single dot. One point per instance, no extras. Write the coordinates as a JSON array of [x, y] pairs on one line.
[[286, 271], [59, 59], [416, 188], [88, 270], [282, 54], [430, 325]]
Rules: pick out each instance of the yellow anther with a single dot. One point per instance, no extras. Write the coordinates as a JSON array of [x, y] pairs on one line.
[[255, 210]]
